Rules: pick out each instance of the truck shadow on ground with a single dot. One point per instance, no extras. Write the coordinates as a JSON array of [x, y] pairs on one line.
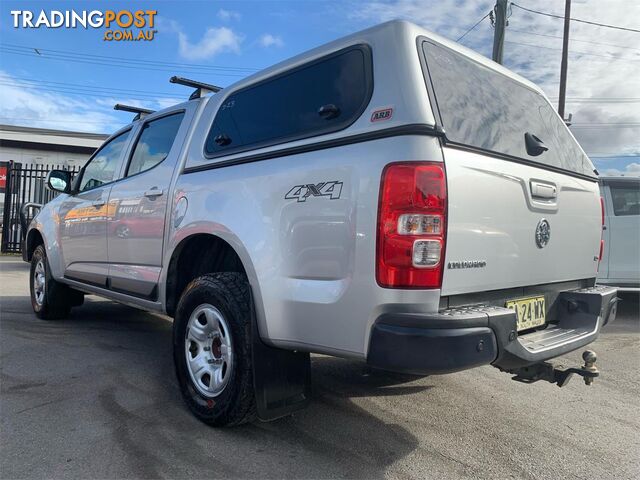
[[129, 378]]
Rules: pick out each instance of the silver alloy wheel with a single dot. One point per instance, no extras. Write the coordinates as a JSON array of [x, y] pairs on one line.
[[39, 283], [209, 350]]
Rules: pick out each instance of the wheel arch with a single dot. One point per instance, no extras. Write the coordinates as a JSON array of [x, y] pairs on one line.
[[33, 239], [202, 253]]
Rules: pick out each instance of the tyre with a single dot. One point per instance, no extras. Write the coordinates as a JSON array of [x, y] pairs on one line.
[[50, 299], [212, 338]]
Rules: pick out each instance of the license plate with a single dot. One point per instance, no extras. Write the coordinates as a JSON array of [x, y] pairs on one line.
[[530, 312]]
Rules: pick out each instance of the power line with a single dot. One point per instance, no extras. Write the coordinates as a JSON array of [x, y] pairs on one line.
[[474, 26], [606, 125], [83, 93], [614, 153], [68, 53], [90, 88], [574, 52], [45, 119], [573, 39], [576, 19], [112, 64], [600, 100]]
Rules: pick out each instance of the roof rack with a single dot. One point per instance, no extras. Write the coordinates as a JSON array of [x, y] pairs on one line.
[[139, 111], [201, 88]]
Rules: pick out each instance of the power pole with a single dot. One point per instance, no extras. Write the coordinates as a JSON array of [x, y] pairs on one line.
[[565, 54], [499, 28]]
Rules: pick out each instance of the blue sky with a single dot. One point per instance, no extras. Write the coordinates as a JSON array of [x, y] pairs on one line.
[[219, 42]]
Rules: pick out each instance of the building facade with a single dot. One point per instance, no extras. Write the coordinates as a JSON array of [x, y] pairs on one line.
[[43, 149]]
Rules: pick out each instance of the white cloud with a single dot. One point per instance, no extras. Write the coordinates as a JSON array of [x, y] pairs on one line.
[[22, 105], [268, 40], [596, 72], [633, 169], [30, 107], [214, 41], [228, 15], [449, 18]]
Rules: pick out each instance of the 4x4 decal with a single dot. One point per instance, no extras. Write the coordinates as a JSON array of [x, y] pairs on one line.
[[322, 189]]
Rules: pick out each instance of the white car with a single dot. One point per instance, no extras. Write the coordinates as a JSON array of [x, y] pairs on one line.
[[620, 264]]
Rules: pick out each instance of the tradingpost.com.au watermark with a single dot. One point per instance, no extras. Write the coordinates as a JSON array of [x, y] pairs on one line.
[[122, 25]]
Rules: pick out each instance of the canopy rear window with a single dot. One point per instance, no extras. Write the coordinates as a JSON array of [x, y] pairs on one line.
[[485, 109]]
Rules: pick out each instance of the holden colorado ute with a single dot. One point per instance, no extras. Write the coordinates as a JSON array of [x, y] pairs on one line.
[[390, 197]]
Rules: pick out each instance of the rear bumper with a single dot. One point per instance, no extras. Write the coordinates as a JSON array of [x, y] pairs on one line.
[[461, 338]]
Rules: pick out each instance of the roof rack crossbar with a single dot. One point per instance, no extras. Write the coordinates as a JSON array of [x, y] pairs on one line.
[[139, 111], [201, 88]]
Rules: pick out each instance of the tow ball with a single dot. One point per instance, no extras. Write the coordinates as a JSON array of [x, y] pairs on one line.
[[549, 373]]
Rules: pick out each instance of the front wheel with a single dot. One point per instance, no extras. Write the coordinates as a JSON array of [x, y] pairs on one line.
[[50, 299], [212, 349]]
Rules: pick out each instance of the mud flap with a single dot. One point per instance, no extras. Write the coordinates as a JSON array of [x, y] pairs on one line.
[[281, 379]]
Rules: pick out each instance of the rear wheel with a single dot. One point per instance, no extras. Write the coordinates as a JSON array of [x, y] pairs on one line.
[[50, 299], [212, 349]]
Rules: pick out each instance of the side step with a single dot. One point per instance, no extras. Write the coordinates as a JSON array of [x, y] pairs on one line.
[[552, 337]]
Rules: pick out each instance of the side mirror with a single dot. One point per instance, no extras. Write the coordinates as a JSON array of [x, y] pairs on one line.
[[59, 181]]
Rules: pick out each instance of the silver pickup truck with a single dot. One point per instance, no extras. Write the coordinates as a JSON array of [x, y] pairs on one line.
[[390, 197]]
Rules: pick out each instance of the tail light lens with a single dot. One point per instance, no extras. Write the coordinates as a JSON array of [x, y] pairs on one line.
[[601, 252], [411, 225], [601, 239]]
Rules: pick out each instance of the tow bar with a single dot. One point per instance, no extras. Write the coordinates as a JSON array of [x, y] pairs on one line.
[[547, 372]]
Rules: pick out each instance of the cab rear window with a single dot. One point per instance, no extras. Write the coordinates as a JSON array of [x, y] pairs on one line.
[[485, 109]]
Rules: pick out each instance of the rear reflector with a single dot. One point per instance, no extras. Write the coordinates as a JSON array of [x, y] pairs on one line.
[[411, 225]]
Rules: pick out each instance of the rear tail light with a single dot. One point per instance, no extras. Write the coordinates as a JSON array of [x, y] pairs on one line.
[[602, 234], [601, 252], [411, 225]]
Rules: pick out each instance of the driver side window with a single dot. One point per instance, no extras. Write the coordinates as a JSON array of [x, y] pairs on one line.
[[102, 167]]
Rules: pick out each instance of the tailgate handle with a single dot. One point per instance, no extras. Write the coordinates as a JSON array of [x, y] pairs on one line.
[[543, 190]]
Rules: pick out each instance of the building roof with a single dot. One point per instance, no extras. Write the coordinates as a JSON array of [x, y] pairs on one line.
[[619, 178], [49, 139]]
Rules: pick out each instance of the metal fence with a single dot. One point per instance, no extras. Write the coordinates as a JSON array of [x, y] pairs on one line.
[[24, 184]]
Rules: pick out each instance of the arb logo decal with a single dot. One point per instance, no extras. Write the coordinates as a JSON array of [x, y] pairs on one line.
[[383, 114], [322, 189]]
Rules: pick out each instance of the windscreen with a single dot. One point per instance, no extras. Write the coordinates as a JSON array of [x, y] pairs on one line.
[[485, 109]]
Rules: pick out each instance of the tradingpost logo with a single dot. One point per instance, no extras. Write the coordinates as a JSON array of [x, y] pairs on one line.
[[119, 26]]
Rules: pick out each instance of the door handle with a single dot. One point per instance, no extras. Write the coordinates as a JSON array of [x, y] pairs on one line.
[[153, 193], [543, 190], [98, 204]]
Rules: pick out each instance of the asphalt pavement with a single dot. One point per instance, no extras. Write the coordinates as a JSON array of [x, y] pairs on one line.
[[95, 396]]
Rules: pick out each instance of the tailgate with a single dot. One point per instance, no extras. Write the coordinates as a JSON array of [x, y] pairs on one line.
[[496, 234]]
